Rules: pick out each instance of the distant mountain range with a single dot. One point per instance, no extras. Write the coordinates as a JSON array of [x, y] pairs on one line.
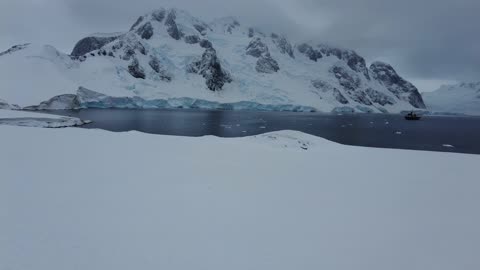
[[170, 59], [462, 98]]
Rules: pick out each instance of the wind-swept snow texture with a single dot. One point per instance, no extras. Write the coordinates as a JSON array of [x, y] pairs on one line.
[[90, 199], [30, 119], [463, 98], [169, 54]]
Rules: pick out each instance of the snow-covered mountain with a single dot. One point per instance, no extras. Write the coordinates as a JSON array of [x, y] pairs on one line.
[[461, 98], [169, 58]]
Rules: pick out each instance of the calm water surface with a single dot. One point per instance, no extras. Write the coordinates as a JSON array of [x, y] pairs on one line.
[[433, 133]]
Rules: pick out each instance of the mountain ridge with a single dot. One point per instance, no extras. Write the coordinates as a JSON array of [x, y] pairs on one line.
[[168, 53], [460, 98]]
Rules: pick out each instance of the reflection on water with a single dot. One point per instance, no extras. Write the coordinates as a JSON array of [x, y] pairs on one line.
[[376, 130]]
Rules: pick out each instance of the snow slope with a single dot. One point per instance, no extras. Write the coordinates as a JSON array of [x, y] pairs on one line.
[[169, 54], [462, 98], [31, 119], [90, 199]]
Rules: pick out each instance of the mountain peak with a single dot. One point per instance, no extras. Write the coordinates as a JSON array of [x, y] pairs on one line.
[[167, 53]]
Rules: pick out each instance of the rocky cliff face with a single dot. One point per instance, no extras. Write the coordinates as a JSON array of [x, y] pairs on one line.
[[402, 89], [169, 53], [90, 44]]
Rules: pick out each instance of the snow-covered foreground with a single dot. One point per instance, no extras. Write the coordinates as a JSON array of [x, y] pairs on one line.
[[90, 199], [33, 119]]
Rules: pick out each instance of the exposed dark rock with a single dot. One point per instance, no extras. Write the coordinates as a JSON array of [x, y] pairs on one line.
[[379, 98], [61, 102], [136, 70], [172, 27], [146, 31], [159, 15], [15, 48], [129, 47], [326, 87], [311, 53], [351, 83], [360, 97], [339, 96], [90, 44], [234, 24], [211, 69], [401, 88], [192, 39], [139, 21], [322, 85], [158, 68], [283, 45], [251, 32], [201, 28], [266, 64], [353, 60], [257, 48], [111, 54], [348, 80], [205, 44]]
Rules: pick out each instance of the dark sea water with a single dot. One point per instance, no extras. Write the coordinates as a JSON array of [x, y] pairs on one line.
[[432, 133]]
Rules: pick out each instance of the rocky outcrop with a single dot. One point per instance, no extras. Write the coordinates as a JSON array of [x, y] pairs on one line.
[[172, 27], [128, 46], [232, 25], [265, 62], [205, 44], [339, 96], [401, 88], [146, 31], [159, 15], [155, 64], [353, 60], [211, 69], [90, 44], [257, 48], [379, 97], [283, 45], [15, 49], [310, 52], [192, 39], [201, 28], [351, 83], [348, 80], [136, 70], [326, 87], [137, 23], [61, 102]]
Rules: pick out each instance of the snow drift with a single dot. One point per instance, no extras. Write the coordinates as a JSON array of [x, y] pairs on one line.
[[90, 199]]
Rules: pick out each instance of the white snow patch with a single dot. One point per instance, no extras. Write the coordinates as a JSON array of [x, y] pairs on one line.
[[90, 199], [34, 119]]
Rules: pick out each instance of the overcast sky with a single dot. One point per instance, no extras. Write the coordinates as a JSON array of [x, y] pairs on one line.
[[429, 42]]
